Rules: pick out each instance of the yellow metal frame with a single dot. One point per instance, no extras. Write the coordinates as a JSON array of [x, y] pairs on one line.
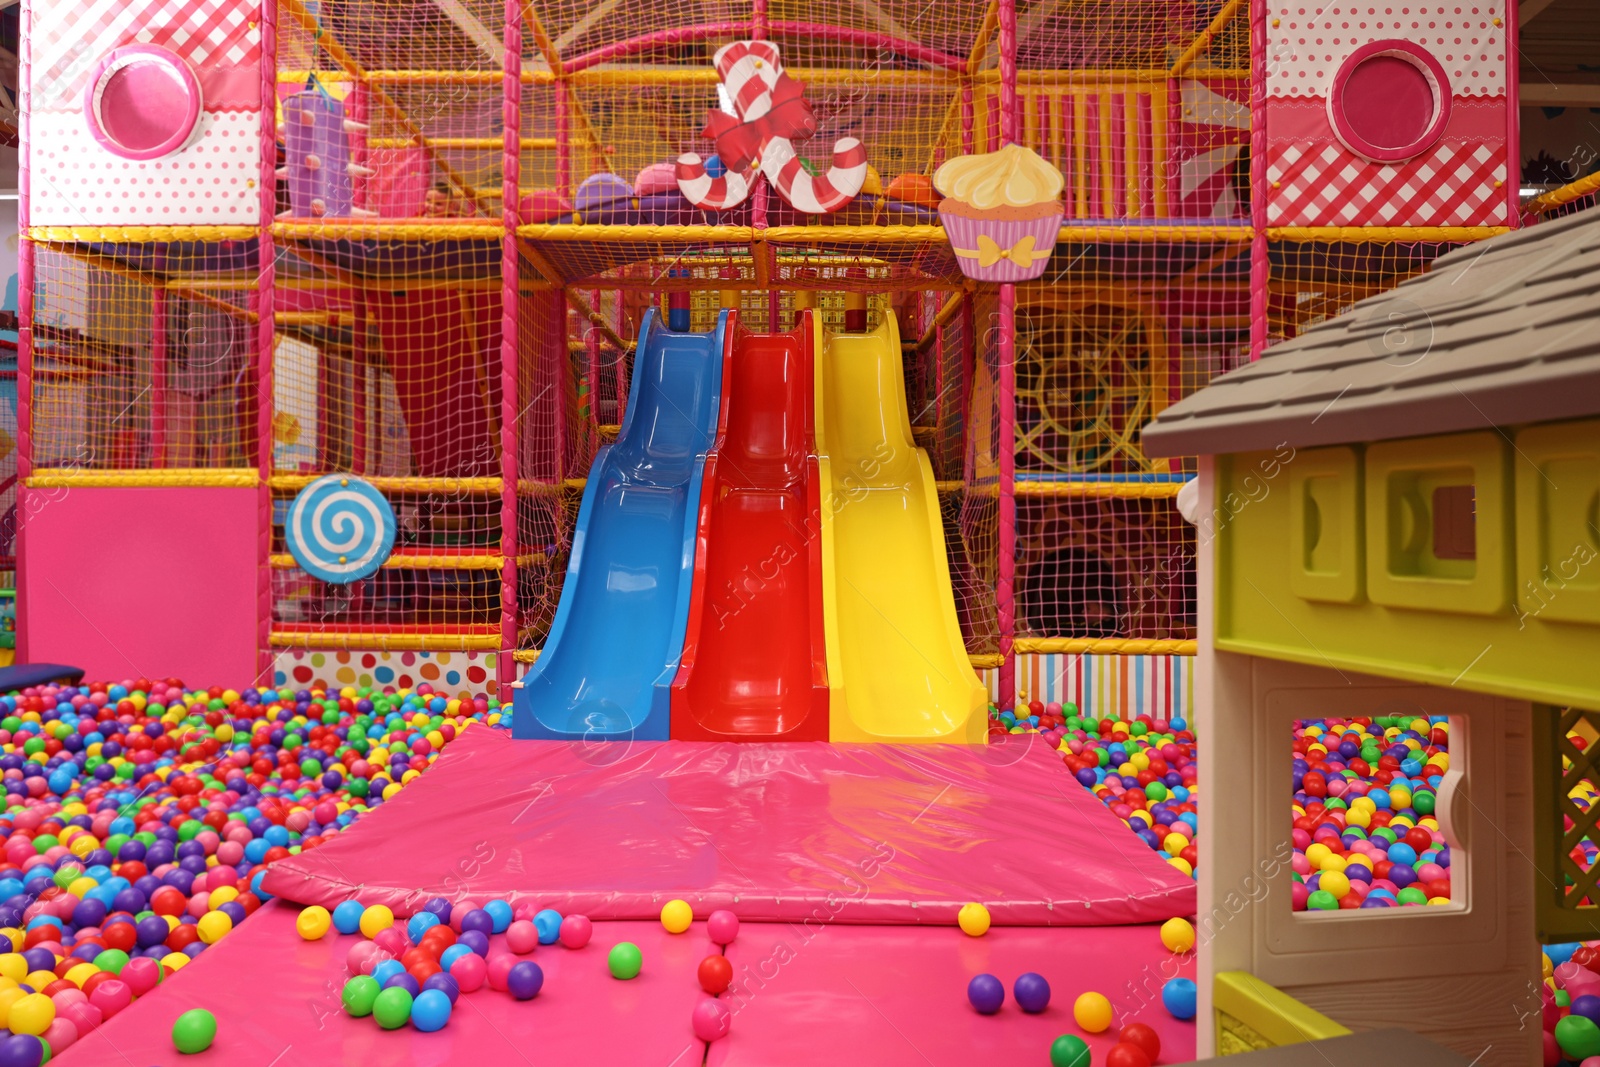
[[172, 477], [435, 642], [1108, 646]]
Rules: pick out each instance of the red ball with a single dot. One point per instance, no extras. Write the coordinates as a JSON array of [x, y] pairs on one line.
[[1419, 839], [182, 936], [121, 935], [1126, 1054], [715, 974]]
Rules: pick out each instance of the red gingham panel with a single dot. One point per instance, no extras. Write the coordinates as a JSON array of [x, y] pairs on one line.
[[1324, 184], [69, 36]]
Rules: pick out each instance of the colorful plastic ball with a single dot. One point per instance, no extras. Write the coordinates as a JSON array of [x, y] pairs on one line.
[[986, 994], [358, 995], [444, 984], [21, 1050], [387, 969], [722, 926], [1577, 1035], [1126, 1054], [550, 923], [1587, 1005], [347, 917], [522, 937], [711, 1020], [1070, 1050], [973, 920], [1178, 996], [406, 981], [470, 972], [111, 997], [313, 922], [500, 912], [500, 972], [1032, 993], [194, 1031], [677, 916], [419, 924], [392, 1009], [1092, 1012], [524, 980], [142, 975], [430, 1011], [575, 931], [625, 961], [1177, 935], [214, 926], [32, 1014], [376, 919], [715, 974], [1143, 1036]]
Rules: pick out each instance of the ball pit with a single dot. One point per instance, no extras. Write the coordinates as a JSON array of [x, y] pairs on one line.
[[139, 818]]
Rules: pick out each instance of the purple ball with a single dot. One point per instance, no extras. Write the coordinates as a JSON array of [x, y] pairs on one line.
[[406, 982], [476, 940], [40, 959], [440, 907], [21, 1050], [525, 980], [477, 919], [1587, 1006], [151, 931], [1032, 993], [445, 984], [1086, 777], [986, 993], [1401, 875], [91, 913]]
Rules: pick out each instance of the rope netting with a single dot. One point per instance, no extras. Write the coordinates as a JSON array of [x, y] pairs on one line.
[[1313, 280]]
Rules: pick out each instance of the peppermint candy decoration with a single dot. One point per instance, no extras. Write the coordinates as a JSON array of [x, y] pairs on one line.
[[340, 529]]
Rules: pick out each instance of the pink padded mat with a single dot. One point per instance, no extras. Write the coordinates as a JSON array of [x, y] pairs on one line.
[[276, 999], [897, 995], [779, 832]]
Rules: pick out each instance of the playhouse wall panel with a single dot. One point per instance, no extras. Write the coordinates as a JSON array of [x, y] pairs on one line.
[[81, 177], [1338, 70]]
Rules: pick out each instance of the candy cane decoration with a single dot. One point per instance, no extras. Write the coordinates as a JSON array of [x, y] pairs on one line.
[[772, 114]]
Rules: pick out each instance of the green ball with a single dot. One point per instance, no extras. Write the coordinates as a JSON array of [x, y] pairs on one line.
[[112, 959], [194, 1031], [1069, 1050], [625, 961], [1412, 895], [1563, 999], [392, 1008], [1578, 1037], [1156, 792], [359, 994], [1322, 900], [1423, 802]]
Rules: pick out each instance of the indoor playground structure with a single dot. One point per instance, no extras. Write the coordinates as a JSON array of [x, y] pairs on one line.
[[731, 532]]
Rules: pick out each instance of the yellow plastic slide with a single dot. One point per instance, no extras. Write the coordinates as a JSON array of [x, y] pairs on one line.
[[897, 667]]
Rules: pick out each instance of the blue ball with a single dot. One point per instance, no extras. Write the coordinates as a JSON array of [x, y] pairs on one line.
[[548, 923], [451, 954], [500, 912], [431, 1010], [387, 970], [1402, 853], [715, 168], [1032, 993], [986, 993], [1178, 996], [347, 917], [418, 925], [1558, 954]]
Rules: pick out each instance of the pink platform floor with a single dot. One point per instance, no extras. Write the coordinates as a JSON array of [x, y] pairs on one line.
[[907, 834]]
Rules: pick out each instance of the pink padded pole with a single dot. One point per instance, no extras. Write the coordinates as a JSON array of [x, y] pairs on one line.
[[266, 332], [1006, 434], [1260, 265], [563, 135], [758, 20], [1513, 118], [510, 307], [158, 377], [360, 401], [25, 254]]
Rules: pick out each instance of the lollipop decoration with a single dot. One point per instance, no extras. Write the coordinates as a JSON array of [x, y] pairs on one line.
[[340, 529]]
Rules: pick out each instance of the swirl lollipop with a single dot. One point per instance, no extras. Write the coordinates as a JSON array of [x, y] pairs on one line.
[[340, 529]]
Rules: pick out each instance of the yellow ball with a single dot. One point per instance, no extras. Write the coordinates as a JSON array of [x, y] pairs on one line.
[[376, 918], [40, 978], [1181, 864], [221, 895], [13, 966], [1177, 935], [1316, 852], [8, 997], [1175, 843], [973, 919], [676, 916], [82, 973], [1334, 882], [214, 926], [313, 922], [175, 961], [1333, 862], [33, 1014], [1093, 1012], [1360, 817]]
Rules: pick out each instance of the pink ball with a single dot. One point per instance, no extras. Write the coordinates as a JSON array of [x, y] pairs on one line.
[[221, 876], [141, 973], [524, 911], [1298, 895], [199, 904], [392, 939], [229, 852], [67, 997], [576, 930], [723, 926], [459, 911], [111, 997], [363, 956], [522, 937], [711, 1020], [469, 971], [59, 1034], [498, 969], [85, 1016]]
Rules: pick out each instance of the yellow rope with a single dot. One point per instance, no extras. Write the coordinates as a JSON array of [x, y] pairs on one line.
[[350, 229], [284, 561], [525, 655], [1112, 646], [981, 661], [1384, 234], [1203, 41], [1565, 195]]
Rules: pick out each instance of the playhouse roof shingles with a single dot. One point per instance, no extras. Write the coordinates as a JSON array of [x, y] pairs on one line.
[[1498, 333]]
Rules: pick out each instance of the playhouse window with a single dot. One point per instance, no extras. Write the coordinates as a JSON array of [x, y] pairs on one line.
[[1377, 840], [1454, 522]]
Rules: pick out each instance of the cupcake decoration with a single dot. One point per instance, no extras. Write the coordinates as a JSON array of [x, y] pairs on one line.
[[1001, 211]]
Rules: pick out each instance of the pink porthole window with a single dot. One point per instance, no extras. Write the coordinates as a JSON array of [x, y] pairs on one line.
[[1390, 101], [142, 102]]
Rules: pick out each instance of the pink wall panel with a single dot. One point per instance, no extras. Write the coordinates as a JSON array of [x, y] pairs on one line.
[[141, 582]]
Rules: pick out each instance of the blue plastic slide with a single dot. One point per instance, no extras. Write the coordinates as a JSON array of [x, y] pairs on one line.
[[607, 667]]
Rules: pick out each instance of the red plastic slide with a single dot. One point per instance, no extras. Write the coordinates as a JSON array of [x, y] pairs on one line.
[[753, 666]]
